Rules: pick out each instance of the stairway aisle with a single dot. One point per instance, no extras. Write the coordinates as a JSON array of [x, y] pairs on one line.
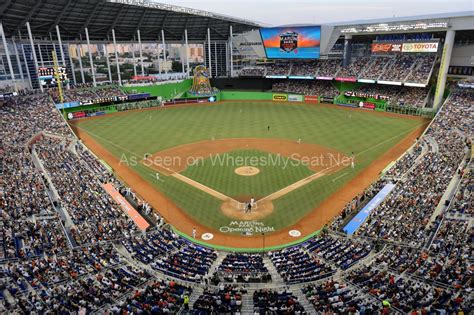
[[276, 278], [247, 302]]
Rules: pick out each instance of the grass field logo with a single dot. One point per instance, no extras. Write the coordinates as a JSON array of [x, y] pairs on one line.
[[246, 227]]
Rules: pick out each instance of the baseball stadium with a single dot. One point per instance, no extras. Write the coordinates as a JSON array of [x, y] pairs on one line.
[[159, 159]]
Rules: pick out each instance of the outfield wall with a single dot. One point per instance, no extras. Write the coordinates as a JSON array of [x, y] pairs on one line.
[[245, 95]]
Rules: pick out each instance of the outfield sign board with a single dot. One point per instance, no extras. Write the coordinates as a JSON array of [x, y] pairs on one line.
[[280, 97], [276, 76], [414, 84], [419, 47], [325, 99], [389, 82], [295, 98], [346, 79], [311, 98], [365, 81], [68, 105], [300, 77], [324, 78]]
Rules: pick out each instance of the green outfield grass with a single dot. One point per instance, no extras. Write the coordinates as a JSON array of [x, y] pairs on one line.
[[218, 172], [134, 134]]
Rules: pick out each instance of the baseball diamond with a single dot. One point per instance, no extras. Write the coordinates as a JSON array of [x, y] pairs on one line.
[[304, 162], [158, 159]]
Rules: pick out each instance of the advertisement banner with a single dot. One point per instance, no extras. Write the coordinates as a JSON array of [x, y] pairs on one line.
[[347, 79], [414, 84], [325, 99], [419, 47], [141, 223], [389, 82], [300, 77], [366, 95], [67, 105], [324, 78], [367, 105], [311, 98], [386, 47], [139, 96], [275, 76], [363, 214], [76, 115], [347, 105], [291, 42], [295, 98], [280, 97], [365, 81]]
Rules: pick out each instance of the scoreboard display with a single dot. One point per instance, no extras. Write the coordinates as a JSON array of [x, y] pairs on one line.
[[47, 76], [301, 42]]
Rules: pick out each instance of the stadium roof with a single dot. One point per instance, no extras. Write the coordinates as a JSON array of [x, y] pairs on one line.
[[125, 16]]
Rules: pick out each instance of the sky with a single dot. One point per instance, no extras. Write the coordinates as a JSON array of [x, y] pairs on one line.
[[279, 12]]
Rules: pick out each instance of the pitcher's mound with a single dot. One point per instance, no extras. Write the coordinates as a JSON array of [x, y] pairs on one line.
[[246, 171], [235, 210]]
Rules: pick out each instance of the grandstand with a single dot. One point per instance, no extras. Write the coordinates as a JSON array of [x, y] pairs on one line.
[[79, 235]]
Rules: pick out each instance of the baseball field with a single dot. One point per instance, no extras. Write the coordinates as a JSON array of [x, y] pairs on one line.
[[200, 165]]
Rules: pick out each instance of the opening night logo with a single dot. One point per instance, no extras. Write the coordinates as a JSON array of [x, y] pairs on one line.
[[289, 42]]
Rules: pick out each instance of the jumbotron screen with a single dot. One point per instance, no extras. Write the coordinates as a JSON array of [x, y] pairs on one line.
[[291, 42], [47, 76]]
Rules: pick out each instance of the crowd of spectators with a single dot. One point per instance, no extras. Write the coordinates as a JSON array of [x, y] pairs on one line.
[[404, 294], [329, 67], [296, 265], [448, 260], [80, 280], [226, 299], [278, 69], [397, 219], [342, 252], [252, 72], [400, 68], [29, 225], [463, 202], [170, 254], [86, 94], [397, 95], [279, 301], [427, 268], [421, 71], [238, 267], [376, 67], [355, 68], [160, 297], [317, 88], [96, 217], [305, 68], [337, 297]]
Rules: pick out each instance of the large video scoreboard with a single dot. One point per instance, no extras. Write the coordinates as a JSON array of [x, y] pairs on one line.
[[47, 76], [301, 42]]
